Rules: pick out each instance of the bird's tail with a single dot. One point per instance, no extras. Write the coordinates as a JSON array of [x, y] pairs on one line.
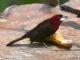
[[18, 39]]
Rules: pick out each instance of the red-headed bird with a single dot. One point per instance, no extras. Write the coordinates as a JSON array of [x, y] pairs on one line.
[[42, 30]]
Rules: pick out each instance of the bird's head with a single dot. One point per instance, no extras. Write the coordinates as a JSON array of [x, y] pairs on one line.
[[56, 20]]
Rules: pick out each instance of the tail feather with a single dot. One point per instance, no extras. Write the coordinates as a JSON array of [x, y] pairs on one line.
[[18, 39]]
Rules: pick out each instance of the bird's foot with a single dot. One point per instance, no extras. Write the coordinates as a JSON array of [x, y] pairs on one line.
[[45, 45]]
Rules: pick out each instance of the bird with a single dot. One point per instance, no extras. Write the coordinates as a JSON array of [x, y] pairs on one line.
[[43, 30]]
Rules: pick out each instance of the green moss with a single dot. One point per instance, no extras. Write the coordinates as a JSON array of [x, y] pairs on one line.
[[63, 1]]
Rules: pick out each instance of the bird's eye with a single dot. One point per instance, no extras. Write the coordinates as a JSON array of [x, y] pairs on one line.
[[63, 18]]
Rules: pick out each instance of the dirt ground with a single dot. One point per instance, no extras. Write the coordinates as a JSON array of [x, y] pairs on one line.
[[24, 51]]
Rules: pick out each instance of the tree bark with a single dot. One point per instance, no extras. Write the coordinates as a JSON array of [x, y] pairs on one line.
[[70, 9]]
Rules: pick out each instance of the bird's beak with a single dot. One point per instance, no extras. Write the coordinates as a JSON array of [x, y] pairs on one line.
[[63, 18]]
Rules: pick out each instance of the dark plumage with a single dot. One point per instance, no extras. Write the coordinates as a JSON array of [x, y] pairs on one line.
[[42, 30]]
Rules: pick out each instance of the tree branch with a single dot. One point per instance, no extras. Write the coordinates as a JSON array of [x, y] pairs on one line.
[[71, 10]]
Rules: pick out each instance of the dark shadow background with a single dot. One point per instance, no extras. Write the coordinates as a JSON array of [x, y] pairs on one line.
[[71, 24]]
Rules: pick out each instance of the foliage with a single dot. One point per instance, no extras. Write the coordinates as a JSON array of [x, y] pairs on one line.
[[5, 3]]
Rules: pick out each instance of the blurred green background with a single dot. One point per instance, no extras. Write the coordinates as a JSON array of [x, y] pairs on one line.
[[6, 3]]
